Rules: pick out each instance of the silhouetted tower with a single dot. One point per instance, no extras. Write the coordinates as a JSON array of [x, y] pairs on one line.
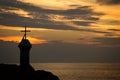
[[25, 47]]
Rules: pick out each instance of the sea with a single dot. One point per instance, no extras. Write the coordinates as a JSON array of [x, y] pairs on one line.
[[82, 71]]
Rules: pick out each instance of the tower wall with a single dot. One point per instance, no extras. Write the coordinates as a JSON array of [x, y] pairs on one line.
[[25, 47], [24, 57]]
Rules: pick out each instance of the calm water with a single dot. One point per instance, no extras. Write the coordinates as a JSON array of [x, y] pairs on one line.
[[82, 71]]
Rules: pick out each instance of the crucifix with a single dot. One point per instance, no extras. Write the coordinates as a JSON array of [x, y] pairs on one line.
[[24, 37]]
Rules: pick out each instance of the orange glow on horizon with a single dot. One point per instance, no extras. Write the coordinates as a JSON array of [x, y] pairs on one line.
[[36, 41], [17, 39]]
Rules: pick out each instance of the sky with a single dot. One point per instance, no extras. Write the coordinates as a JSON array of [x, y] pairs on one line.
[[61, 30]]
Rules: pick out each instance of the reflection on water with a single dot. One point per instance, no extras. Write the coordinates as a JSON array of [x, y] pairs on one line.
[[82, 71]]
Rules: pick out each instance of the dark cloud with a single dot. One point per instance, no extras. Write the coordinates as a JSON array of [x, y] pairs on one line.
[[94, 31], [111, 22], [41, 16], [114, 30], [109, 2], [114, 22], [85, 23], [57, 51], [9, 19], [109, 41], [9, 52]]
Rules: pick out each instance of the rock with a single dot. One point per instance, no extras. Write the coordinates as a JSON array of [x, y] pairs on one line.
[[15, 72]]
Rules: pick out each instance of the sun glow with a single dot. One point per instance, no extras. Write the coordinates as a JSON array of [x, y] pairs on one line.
[[17, 39], [36, 41]]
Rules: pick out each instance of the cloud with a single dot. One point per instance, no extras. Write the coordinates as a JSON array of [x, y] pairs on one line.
[[41, 18], [11, 19], [117, 30], [9, 52], [110, 42], [109, 2], [57, 51], [110, 22], [94, 31], [114, 22]]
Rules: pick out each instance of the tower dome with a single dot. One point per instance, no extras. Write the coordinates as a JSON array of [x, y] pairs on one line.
[[25, 44]]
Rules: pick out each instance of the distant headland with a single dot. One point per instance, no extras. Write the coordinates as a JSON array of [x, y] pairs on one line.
[[24, 71]]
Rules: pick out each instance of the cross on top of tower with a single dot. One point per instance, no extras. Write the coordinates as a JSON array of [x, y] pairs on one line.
[[24, 37]]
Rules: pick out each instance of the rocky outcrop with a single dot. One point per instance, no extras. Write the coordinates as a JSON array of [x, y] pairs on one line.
[[15, 72]]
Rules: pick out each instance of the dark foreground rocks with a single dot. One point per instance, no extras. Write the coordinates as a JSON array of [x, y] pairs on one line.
[[15, 72]]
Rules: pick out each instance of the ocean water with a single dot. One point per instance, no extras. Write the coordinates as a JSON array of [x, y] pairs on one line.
[[82, 71]]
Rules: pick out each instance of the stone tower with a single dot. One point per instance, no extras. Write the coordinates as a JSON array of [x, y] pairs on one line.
[[24, 47]]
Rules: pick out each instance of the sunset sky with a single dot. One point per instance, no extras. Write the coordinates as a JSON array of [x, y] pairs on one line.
[[61, 30]]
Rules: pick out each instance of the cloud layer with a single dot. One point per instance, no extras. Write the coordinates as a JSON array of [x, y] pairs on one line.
[[109, 2], [57, 51], [46, 18]]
